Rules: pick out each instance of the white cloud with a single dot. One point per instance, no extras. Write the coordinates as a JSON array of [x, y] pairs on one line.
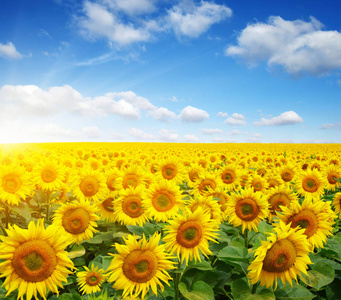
[[168, 135], [336, 125], [211, 130], [138, 134], [236, 119], [299, 47], [187, 19], [234, 132], [222, 114], [9, 51], [132, 7], [191, 138], [193, 114], [116, 136], [92, 132], [101, 22], [286, 118], [162, 114]]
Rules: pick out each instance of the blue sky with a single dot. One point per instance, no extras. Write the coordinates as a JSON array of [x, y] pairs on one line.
[[170, 71]]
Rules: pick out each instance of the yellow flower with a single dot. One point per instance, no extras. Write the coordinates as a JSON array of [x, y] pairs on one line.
[[310, 184], [163, 200], [34, 260], [170, 169], [49, 175], [258, 183], [90, 280], [131, 177], [139, 266], [331, 173], [78, 219], [207, 183], [188, 235], [129, 207], [106, 208], [337, 202], [285, 255], [230, 176], [247, 209], [14, 184]]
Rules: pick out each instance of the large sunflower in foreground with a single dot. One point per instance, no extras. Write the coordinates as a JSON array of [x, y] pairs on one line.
[[285, 255], [78, 219], [34, 260], [188, 235], [247, 209], [314, 216], [14, 184], [49, 175], [332, 173], [90, 280], [140, 265]]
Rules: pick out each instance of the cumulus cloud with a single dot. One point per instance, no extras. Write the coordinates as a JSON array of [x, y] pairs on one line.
[[168, 135], [140, 135], [236, 119], [191, 138], [299, 47], [286, 118], [92, 132], [190, 20], [132, 7], [336, 125], [211, 130], [9, 51], [222, 114], [162, 114], [193, 114]]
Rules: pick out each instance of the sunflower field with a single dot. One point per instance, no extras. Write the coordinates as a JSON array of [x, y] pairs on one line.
[[170, 221]]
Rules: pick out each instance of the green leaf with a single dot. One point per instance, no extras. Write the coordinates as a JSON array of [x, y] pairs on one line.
[[203, 265], [200, 291], [106, 260], [240, 289], [233, 253], [297, 292], [76, 251], [148, 229], [321, 275]]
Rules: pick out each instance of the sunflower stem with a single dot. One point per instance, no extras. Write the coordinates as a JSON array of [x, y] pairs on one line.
[[176, 282], [163, 297], [48, 205], [245, 238], [7, 212], [252, 237], [254, 288]]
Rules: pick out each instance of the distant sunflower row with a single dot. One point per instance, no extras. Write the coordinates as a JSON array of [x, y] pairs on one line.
[[192, 190]]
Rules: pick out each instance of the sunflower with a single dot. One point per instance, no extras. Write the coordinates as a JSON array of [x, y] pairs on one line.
[[14, 184], [332, 173], [314, 216], [247, 208], [230, 176], [49, 175], [193, 173], [113, 184], [188, 235], [34, 260], [78, 219], [310, 184], [222, 197], [207, 203], [273, 179], [277, 197], [258, 183], [337, 202], [207, 183], [163, 200], [129, 207], [284, 255], [170, 169], [90, 280], [288, 172], [131, 177], [88, 184], [106, 208], [140, 265]]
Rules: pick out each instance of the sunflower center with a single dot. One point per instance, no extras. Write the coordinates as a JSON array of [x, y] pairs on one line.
[[34, 260], [206, 184], [310, 185], [247, 209], [11, 183], [287, 175], [193, 175], [93, 279], [48, 176], [130, 180], [169, 171], [280, 257], [89, 186], [228, 177], [163, 201], [332, 177], [257, 186], [76, 221], [140, 266], [277, 200], [189, 234], [132, 206], [110, 182], [107, 204], [307, 220]]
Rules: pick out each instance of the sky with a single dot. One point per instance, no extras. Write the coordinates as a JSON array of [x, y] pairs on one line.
[[239, 71]]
